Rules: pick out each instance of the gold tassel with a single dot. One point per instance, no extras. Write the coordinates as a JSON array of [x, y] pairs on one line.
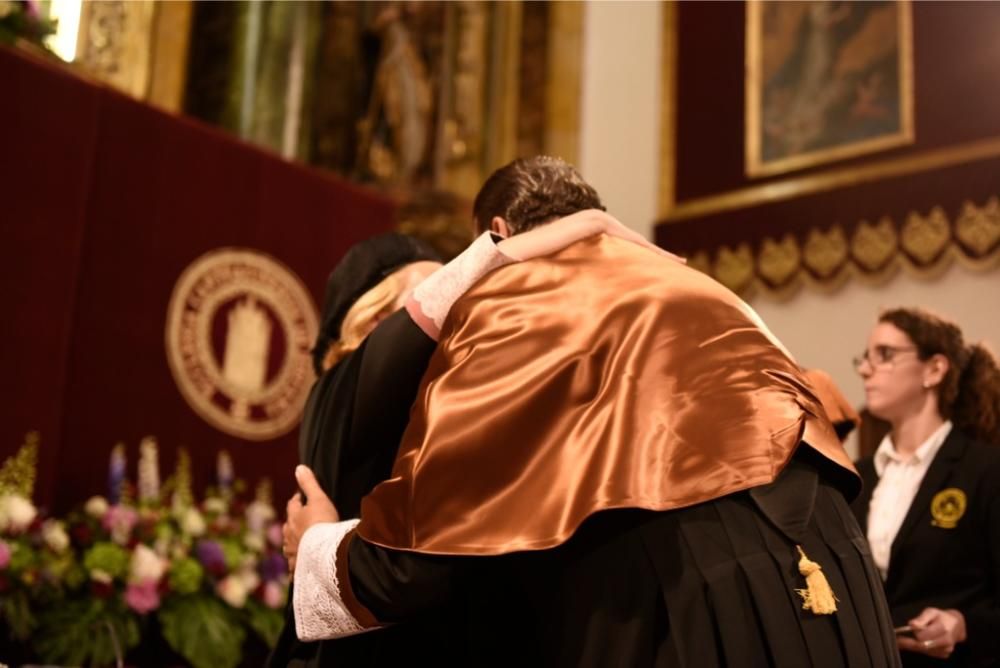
[[817, 596]]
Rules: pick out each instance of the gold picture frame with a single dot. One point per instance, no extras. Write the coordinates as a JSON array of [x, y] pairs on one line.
[[829, 81]]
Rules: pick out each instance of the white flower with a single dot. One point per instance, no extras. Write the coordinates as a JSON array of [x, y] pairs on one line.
[[7, 7], [231, 590], [258, 515], [55, 536], [248, 578], [145, 565], [149, 470], [254, 542], [16, 512], [96, 506], [162, 544], [97, 575], [192, 523], [215, 505]]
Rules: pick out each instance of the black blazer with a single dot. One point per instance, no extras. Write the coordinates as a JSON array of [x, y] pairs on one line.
[[947, 556]]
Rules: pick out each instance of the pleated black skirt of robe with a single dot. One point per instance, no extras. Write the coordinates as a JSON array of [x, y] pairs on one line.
[[710, 585]]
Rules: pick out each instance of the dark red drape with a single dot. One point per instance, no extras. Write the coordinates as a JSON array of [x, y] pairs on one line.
[[104, 202]]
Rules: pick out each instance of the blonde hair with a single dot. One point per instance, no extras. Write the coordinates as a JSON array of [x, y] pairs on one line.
[[362, 317]]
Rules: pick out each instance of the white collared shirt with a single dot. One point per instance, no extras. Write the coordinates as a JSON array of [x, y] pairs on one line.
[[898, 481]]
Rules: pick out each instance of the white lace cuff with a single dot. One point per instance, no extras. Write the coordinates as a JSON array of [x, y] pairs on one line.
[[433, 298], [320, 612]]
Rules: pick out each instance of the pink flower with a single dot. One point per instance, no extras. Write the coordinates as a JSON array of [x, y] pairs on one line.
[[4, 554], [274, 535], [143, 597], [274, 595], [120, 520]]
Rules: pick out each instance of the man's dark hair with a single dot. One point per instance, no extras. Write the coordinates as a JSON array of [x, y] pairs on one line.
[[531, 191]]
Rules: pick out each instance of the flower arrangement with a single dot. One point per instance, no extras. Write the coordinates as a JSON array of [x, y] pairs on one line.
[[24, 20], [88, 588]]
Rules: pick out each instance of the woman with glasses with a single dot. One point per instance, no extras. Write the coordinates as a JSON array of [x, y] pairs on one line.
[[931, 502]]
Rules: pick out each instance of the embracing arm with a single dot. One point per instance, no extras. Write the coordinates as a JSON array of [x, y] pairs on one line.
[[433, 298], [345, 585]]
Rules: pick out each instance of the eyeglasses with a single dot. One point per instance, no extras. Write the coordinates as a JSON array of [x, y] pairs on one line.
[[881, 357]]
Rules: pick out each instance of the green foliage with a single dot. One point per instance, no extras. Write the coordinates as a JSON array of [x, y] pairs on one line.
[[107, 557], [17, 23], [266, 622], [17, 475], [202, 630], [15, 612], [90, 632], [185, 576]]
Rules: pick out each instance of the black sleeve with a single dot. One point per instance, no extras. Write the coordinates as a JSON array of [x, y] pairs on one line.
[[982, 624], [392, 364], [396, 356], [397, 586]]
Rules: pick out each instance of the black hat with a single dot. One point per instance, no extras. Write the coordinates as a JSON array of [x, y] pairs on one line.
[[361, 269]]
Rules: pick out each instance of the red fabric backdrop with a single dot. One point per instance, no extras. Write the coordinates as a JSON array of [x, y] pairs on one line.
[[104, 202]]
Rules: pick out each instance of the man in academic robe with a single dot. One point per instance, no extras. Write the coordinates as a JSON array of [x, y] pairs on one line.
[[611, 461]]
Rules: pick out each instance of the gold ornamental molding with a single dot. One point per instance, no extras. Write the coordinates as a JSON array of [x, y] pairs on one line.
[[923, 244], [785, 189], [138, 47]]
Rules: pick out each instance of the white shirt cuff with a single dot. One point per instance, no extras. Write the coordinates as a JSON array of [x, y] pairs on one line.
[[320, 613], [433, 298]]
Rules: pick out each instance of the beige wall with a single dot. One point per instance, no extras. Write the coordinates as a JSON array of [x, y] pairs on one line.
[[620, 107], [827, 330]]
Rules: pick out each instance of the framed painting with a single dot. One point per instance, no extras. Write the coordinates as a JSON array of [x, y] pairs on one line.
[[826, 80]]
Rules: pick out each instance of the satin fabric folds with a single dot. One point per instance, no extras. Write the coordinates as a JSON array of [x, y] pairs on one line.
[[602, 377]]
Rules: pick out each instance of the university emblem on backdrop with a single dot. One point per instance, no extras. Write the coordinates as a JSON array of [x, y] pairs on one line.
[[239, 328]]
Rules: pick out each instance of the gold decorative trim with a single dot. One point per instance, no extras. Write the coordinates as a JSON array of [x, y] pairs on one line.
[[754, 164], [501, 140], [926, 237], [979, 228], [779, 260], [785, 189], [114, 43], [873, 246], [668, 105], [171, 36], [923, 245], [562, 87], [825, 253]]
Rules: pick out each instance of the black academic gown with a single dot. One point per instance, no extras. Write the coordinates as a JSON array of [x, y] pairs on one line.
[[947, 561], [353, 422], [710, 585]]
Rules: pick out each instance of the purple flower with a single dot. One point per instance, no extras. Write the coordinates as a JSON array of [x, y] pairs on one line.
[[273, 567], [211, 556], [4, 554], [143, 597]]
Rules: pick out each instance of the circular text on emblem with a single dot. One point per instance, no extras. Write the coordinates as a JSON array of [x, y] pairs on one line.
[[239, 328]]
